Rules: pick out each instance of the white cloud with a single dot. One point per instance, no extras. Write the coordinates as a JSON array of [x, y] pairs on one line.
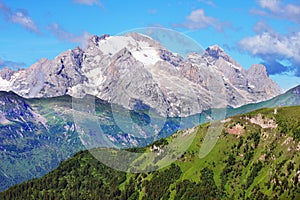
[[62, 34], [208, 2], [261, 27], [267, 43], [197, 19], [19, 17], [88, 2], [276, 8], [199, 16], [272, 5], [24, 20], [273, 48], [254, 11]]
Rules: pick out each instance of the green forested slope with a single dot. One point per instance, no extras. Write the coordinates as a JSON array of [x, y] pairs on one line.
[[256, 157]]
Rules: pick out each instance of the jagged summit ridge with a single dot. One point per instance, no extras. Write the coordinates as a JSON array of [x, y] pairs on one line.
[[215, 51], [134, 66]]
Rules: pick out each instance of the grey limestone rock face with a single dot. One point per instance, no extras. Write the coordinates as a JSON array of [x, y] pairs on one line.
[[242, 86], [122, 69], [6, 73]]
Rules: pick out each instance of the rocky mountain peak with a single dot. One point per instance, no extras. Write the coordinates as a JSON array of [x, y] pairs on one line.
[[77, 49], [138, 36], [258, 70], [217, 55], [148, 71], [94, 40], [77, 54], [215, 51], [144, 38], [123, 53], [258, 78], [6, 73]]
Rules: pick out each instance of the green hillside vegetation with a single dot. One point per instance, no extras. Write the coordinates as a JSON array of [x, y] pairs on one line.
[[37, 134], [256, 157]]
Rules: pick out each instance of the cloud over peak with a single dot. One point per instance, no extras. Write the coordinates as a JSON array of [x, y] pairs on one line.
[[275, 50], [62, 34], [280, 52]]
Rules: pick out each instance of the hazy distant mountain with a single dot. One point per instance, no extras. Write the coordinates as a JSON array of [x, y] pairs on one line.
[[289, 98], [122, 69]]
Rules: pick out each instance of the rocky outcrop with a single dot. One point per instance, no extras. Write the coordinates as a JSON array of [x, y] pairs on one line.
[[6, 73], [242, 86]]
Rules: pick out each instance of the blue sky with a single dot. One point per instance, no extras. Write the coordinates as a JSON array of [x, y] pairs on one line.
[[261, 31]]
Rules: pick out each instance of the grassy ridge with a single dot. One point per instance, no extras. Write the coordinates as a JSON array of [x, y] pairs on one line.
[[247, 162]]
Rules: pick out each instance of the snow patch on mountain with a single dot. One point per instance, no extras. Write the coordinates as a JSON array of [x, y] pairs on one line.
[[147, 56]]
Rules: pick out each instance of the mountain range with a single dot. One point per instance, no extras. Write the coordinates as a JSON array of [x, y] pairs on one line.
[[134, 83], [123, 69]]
